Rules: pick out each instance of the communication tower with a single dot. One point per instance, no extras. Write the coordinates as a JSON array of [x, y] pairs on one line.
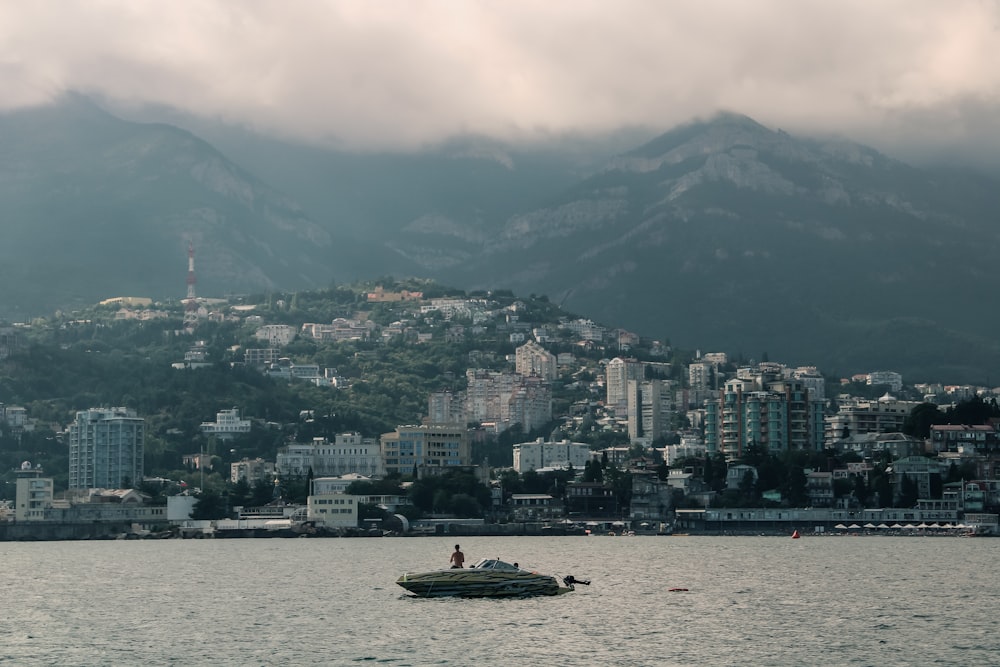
[[191, 302]]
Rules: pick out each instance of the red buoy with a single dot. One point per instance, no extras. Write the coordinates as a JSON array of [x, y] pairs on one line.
[[795, 534]]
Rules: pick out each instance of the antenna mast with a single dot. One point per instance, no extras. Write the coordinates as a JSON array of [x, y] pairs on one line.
[[191, 302]]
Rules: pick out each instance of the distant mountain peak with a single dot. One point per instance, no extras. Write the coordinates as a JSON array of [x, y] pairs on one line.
[[701, 138]]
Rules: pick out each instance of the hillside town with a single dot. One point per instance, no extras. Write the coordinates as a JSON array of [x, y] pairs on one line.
[[559, 426]]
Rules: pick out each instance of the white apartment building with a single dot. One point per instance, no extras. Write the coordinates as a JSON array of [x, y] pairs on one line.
[[333, 510], [276, 335], [33, 494], [530, 404], [893, 380], [445, 407], [437, 446], [859, 416], [339, 329], [533, 359], [540, 454], [227, 425], [650, 407], [487, 394], [585, 330], [106, 448], [814, 382], [451, 307], [700, 375], [348, 453], [286, 370], [256, 470], [328, 485], [15, 416], [618, 373], [717, 358], [504, 399]]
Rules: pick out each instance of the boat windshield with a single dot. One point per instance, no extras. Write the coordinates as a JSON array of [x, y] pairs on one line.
[[493, 564]]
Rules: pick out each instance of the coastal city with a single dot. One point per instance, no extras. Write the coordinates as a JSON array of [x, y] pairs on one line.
[[558, 425]]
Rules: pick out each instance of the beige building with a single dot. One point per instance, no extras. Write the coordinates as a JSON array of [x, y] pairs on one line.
[[617, 375], [33, 495], [333, 510], [858, 416], [650, 408], [347, 453], [436, 446], [532, 359], [255, 470]]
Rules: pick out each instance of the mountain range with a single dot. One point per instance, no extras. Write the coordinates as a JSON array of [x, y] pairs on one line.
[[720, 234]]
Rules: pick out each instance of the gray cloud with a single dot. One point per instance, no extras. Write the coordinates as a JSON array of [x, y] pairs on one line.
[[915, 75]]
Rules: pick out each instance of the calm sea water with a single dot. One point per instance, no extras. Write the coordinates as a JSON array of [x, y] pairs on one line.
[[750, 601]]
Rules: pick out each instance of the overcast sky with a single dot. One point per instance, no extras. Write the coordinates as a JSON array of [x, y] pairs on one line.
[[382, 73]]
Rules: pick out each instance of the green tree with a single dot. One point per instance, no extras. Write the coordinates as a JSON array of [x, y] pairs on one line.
[[465, 506], [918, 423], [908, 492], [261, 493], [748, 487], [210, 505], [861, 490], [239, 493], [795, 488]]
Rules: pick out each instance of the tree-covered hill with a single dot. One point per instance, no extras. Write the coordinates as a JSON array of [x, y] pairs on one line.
[[91, 359]]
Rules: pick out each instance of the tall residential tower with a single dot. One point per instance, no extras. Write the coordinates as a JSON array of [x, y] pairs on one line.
[[106, 449]]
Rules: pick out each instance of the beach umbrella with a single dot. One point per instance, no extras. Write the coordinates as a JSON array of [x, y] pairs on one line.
[[897, 526], [869, 526], [883, 526], [840, 526], [854, 526], [922, 525], [909, 526]]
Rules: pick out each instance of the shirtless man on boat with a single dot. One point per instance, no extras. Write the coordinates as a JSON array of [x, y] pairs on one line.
[[457, 558]]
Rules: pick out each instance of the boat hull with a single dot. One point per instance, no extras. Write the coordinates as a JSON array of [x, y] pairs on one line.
[[473, 583]]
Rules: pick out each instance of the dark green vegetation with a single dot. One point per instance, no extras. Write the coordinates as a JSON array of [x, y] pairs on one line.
[[93, 360]]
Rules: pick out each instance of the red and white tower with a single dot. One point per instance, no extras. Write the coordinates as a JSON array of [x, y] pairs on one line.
[[191, 302]]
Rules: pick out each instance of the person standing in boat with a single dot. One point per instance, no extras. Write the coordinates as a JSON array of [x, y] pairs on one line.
[[457, 558]]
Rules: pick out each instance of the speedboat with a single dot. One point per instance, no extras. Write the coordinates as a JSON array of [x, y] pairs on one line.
[[487, 578]]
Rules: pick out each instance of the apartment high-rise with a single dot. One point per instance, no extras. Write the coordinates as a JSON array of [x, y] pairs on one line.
[[650, 408], [106, 447], [533, 359], [433, 446], [445, 407], [617, 373], [761, 409]]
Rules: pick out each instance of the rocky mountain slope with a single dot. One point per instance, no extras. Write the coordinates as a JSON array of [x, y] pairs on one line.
[[727, 235], [94, 207], [721, 234]]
